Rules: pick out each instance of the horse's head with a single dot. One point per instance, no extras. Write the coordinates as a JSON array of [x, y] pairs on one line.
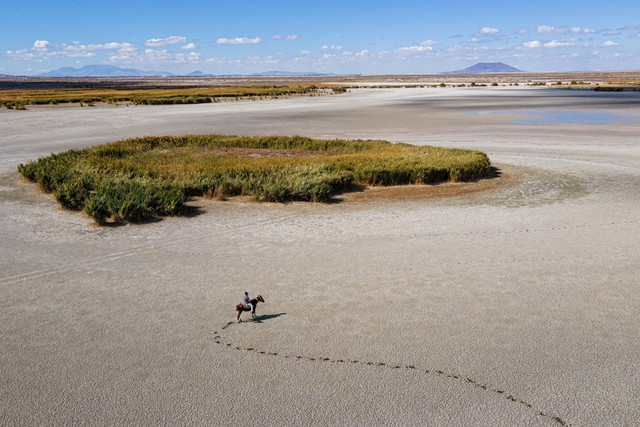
[[259, 298]]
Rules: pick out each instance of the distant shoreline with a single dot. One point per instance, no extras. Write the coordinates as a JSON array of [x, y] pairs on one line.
[[600, 77]]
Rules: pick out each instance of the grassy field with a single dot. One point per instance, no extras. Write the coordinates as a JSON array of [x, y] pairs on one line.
[[142, 178], [18, 98]]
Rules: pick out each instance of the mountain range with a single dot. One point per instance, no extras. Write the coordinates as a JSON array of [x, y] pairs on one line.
[[113, 71], [102, 71], [486, 67]]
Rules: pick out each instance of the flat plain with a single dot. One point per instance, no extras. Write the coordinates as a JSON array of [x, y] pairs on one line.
[[515, 305]]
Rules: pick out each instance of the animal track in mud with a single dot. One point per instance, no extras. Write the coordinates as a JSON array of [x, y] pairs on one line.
[[217, 337]]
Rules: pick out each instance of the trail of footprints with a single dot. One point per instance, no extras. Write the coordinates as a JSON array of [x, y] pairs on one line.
[[219, 340]]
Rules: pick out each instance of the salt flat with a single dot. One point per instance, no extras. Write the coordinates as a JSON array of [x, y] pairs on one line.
[[518, 305]]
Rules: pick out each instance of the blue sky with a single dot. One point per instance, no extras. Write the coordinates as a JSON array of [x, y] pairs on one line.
[[364, 37]]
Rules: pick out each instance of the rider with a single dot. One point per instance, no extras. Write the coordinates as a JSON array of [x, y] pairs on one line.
[[247, 302]]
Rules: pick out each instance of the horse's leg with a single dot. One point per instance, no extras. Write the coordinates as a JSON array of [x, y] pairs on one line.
[[239, 313]]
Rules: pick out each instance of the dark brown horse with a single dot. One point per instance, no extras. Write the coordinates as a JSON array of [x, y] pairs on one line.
[[240, 307]]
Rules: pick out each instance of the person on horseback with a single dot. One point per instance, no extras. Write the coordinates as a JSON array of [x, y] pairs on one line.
[[247, 303]]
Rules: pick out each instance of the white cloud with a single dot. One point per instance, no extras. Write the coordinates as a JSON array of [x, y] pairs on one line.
[[609, 43], [166, 41], [224, 61], [425, 46], [262, 60], [40, 45], [489, 30], [20, 54], [276, 37], [521, 31], [239, 40], [189, 46], [546, 29], [192, 57], [305, 52], [559, 43], [153, 57], [74, 51], [128, 47], [292, 37], [532, 44]]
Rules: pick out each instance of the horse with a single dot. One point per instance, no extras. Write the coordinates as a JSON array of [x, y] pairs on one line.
[[240, 307]]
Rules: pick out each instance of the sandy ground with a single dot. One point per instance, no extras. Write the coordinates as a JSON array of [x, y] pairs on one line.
[[517, 305]]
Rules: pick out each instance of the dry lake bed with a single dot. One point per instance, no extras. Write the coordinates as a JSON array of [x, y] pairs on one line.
[[515, 305]]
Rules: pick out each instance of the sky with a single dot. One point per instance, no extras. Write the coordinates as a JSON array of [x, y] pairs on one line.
[[341, 37]]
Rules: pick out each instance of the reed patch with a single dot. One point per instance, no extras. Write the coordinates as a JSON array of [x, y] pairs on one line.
[[143, 178], [18, 98]]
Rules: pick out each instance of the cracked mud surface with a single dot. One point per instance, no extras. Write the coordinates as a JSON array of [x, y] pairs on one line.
[[520, 299]]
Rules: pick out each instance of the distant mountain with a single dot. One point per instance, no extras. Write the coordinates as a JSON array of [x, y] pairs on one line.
[[486, 67], [198, 74], [289, 73], [113, 71], [103, 71]]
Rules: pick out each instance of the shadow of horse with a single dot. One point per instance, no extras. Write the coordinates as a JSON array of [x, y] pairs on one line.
[[261, 318]]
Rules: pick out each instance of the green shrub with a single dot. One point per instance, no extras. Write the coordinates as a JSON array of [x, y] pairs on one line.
[[97, 207]]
